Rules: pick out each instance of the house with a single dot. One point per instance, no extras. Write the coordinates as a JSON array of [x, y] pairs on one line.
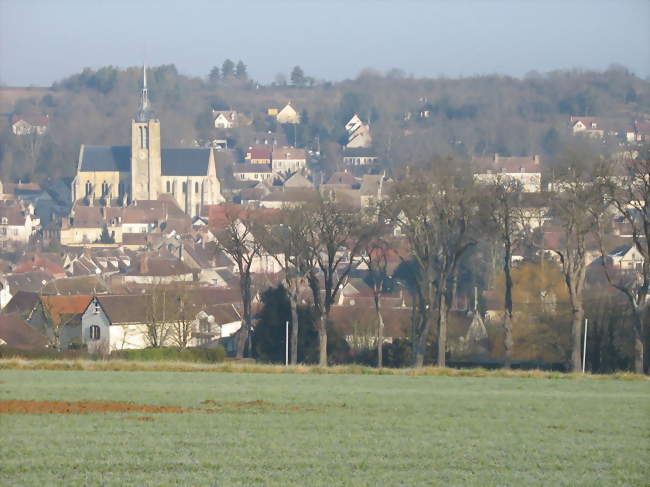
[[358, 133], [626, 258], [252, 172], [525, 170], [59, 319], [16, 333], [259, 154], [297, 180], [589, 126], [288, 197], [119, 322], [29, 124], [359, 156], [639, 132], [288, 159], [17, 223], [10, 284], [225, 119], [288, 115], [157, 268]]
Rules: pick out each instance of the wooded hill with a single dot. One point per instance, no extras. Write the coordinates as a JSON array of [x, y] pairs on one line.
[[468, 116]]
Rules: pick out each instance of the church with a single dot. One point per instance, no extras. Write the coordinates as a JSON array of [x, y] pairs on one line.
[[121, 175]]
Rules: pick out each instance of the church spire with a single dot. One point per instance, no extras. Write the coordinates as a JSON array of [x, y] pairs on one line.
[[144, 113], [145, 93]]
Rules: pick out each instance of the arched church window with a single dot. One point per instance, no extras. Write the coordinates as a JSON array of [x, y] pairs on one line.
[[89, 188], [196, 188], [184, 188], [169, 187], [105, 188]]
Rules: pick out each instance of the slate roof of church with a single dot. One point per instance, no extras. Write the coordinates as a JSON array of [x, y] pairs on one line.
[[106, 158], [185, 162], [175, 162]]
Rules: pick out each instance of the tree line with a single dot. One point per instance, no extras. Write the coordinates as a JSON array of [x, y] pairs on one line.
[[436, 219]]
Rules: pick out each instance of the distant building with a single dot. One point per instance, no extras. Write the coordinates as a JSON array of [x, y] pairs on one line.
[[226, 119], [525, 170], [358, 133], [589, 126], [17, 223], [288, 159], [144, 171], [29, 124], [288, 115], [252, 172]]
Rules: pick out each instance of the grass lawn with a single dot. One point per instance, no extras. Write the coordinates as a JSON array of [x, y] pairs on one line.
[[311, 430]]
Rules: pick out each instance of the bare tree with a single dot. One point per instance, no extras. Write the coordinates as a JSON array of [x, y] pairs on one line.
[[630, 196], [435, 211], [334, 242], [158, 316], [375, 256], [237, 239], [289, 241], [503, 198], [183, 317], [576, 204]]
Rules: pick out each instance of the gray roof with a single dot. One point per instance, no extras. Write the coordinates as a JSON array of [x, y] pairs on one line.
[[106, 158], [175, 162], [185, 162]]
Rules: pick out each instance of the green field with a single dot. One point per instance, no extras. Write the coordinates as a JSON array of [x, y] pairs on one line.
[[327, 430]]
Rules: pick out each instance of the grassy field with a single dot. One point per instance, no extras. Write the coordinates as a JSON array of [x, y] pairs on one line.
[[321, 429]]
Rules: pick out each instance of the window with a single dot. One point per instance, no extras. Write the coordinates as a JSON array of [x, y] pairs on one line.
[[95, 332], [185, 188], [97, 307], [196, 188], [169, 187], [144, 137]]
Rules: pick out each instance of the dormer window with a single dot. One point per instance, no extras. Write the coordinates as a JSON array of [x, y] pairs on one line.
[[5, 220]]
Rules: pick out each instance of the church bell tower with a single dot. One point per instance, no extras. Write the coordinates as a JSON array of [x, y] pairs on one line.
[[145, 150]]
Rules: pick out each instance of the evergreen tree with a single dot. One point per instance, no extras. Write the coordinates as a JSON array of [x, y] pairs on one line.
[[298, 76], [240, 71], [227, 69], [214, 76]]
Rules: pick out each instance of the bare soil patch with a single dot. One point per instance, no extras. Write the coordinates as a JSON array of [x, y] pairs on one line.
[[82, 407]]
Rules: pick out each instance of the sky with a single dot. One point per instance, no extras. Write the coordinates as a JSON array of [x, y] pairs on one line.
[[42, 41]]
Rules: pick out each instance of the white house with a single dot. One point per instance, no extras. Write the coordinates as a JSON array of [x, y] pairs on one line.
[[225, 119], [288, 115], [122, 322], [358, 133], [17, 223], [626, 257], [288, 159], [525, 170], [29, 124], [252, 172]]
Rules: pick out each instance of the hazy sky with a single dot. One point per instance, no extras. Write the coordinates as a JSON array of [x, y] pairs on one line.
[[44, 40]]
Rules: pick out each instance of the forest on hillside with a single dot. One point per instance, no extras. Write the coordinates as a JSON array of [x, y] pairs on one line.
[[467, 116]]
